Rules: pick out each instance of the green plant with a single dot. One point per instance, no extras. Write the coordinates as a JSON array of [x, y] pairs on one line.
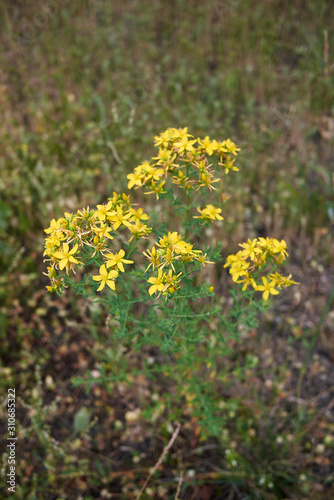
[[185, 322], [58, 464]]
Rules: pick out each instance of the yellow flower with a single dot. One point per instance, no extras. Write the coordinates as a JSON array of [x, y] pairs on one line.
[[280, 247], [208, 146], [184, 248], [247, 280], [135, 179], [51, 244], [138, 230], [106, 278], [157, 189], [157, 283], [103, 211], [250, 249], [137, 215], [153, 174], [265, 243], [103, 231], [228, 164], [84, 213], [231, 259], [238, 269], [164, 138], [153, 257], [54, 225], [202, 259], [206, 180], [282, 280], [167, 258], [170, 135], [120, 199], [228, 147], [181, 133], [209, 213], [169, 240], [119, 218], [66, 256], [267, 288], [185, 144], [165, 157], [171, 282], [117, 260]]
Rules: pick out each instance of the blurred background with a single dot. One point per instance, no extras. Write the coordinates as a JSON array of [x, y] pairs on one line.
[[84, 87]]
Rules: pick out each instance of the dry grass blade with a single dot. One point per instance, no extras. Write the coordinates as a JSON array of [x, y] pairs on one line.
[[179, 484], [159, 462]]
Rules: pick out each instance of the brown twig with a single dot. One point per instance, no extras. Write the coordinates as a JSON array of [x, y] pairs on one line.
[[179, 484], [162, 456], [107, 322]]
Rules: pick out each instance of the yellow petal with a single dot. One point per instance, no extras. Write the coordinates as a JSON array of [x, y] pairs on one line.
[[103, 271], [111, 284], [120, 266], [74, 249], [112, 274], [63, 263]]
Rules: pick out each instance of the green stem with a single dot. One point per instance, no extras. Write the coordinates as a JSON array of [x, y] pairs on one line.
[[188, 205], [132, 248], [219, 205]]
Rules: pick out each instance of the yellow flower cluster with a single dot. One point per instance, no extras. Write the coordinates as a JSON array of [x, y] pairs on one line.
[[89, 232], [209, 213], [170, 250], [188, 163], [246, 265], [78, 238]]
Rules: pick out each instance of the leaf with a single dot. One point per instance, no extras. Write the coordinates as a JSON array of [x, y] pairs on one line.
[[81, 420]]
